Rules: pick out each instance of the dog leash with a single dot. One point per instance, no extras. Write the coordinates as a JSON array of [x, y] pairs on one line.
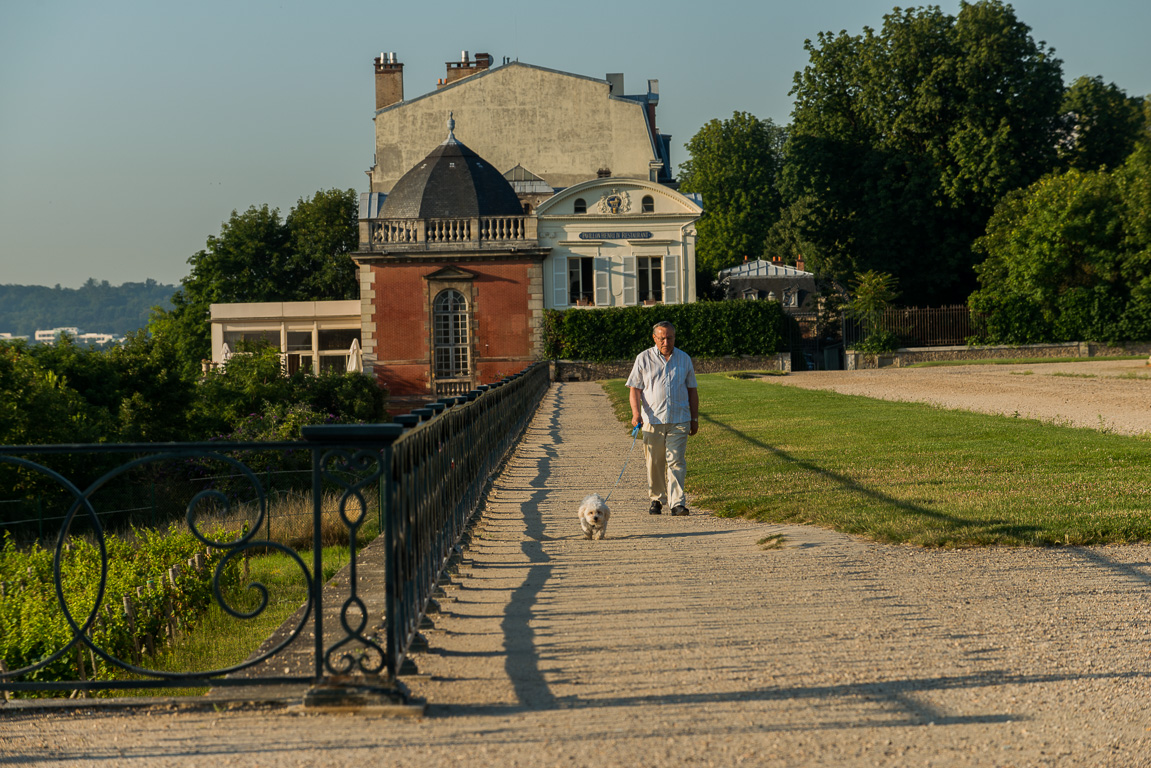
[[634, 434]]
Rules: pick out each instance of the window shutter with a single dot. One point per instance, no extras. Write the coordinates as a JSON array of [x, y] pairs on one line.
[[670, 280], [602, 291], [560, 281], [629, 281]]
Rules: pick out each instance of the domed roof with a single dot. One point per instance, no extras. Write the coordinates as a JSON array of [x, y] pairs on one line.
[[451, 182]]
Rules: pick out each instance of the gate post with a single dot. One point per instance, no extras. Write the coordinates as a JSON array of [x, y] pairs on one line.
[[356, 685]]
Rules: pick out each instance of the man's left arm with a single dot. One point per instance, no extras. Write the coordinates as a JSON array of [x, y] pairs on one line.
[[693, 404]]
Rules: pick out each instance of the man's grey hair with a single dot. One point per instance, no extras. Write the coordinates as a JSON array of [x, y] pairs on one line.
[[662, 324]]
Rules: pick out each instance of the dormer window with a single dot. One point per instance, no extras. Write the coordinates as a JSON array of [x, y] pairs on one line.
[[647, 205], [580, 205]]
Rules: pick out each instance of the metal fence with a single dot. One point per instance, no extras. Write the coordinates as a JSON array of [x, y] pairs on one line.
[[923, 326], [425, 474]]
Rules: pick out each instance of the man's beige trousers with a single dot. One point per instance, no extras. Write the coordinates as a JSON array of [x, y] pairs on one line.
[[663, 450]]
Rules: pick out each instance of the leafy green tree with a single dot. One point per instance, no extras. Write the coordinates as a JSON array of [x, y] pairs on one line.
[[903, 141], [155, 400], [1101, 124], [1069, 258], [323, 234], [38, 405], [260, 257], [734, 164]]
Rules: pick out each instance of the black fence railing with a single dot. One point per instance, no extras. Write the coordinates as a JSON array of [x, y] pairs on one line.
[[420, 481], [923, 326]]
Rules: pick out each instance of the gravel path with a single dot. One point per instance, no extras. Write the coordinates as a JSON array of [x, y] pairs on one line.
[[1110, 394], [679, 641]]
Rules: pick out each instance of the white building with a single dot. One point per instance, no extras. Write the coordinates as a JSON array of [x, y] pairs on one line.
[[319, 335], [617, 243], [50, 335]]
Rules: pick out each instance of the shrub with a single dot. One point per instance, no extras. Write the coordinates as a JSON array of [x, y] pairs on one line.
[[703, 329]]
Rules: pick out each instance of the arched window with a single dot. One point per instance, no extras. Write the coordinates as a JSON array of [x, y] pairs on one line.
[[450, 318], [580, 205], [647, 205]]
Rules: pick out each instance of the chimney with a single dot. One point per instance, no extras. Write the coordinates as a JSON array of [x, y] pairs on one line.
[[458, 70], [615, 83], [799, 263], [652, 101], [389, 80]]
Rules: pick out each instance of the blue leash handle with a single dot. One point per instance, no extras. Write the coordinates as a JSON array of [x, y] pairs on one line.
[[634, 435]]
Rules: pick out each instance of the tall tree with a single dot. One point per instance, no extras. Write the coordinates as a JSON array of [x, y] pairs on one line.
[[1069, 258], [733, 164], [1101, 124], [322, 233], [903, 140]]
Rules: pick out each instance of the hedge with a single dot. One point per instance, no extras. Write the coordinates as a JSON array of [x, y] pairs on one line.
[[708, 329]]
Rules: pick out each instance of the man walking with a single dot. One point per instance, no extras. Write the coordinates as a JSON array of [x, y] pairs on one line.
[[664, 399]]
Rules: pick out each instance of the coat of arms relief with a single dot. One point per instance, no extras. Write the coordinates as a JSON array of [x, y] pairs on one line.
[[615, 202]]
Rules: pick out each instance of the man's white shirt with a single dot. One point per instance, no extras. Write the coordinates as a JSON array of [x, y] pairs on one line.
[[664, 384]]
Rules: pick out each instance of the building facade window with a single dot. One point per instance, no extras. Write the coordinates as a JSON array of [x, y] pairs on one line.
[[302, 345], [451, 336], [647, 205], [649, 274], [581, 283], [580, 205]]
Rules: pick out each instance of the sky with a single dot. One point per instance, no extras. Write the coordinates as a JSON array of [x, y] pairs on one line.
[[131, 129]]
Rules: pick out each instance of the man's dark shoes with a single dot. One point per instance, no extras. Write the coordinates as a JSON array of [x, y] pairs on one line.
[[679, 510], [656, 508]]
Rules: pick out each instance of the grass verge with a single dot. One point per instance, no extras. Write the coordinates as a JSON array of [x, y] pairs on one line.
[[908, 472]]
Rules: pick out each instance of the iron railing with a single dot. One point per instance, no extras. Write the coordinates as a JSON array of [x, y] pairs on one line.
[[430, 471], [923, 326]]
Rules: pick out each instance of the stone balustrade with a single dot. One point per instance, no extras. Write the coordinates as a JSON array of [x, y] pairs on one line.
[[474, 232]]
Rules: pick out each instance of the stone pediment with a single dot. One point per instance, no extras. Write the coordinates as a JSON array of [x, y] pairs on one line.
[[619, 197], [452, 273]]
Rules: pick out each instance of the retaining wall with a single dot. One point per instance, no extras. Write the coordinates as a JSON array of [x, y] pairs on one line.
[[912, 355]]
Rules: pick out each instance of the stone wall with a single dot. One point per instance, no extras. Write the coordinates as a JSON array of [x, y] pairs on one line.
[[579, 370], [912, 355]]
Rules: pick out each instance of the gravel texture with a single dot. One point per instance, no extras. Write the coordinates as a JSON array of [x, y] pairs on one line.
[[680, 641], [1114, 395]]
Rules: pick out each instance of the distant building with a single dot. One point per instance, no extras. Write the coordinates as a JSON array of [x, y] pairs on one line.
[[50, 336], [791, 286]]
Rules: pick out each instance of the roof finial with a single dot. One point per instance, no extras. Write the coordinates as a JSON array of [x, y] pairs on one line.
[[451, 126]]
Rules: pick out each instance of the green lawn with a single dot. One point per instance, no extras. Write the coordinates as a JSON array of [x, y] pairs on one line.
[[908, 472]]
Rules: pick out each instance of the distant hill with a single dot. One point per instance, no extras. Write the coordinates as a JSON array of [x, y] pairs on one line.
[[95, 307]]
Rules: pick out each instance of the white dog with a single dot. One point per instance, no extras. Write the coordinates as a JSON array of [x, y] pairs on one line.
[[593, 517]]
